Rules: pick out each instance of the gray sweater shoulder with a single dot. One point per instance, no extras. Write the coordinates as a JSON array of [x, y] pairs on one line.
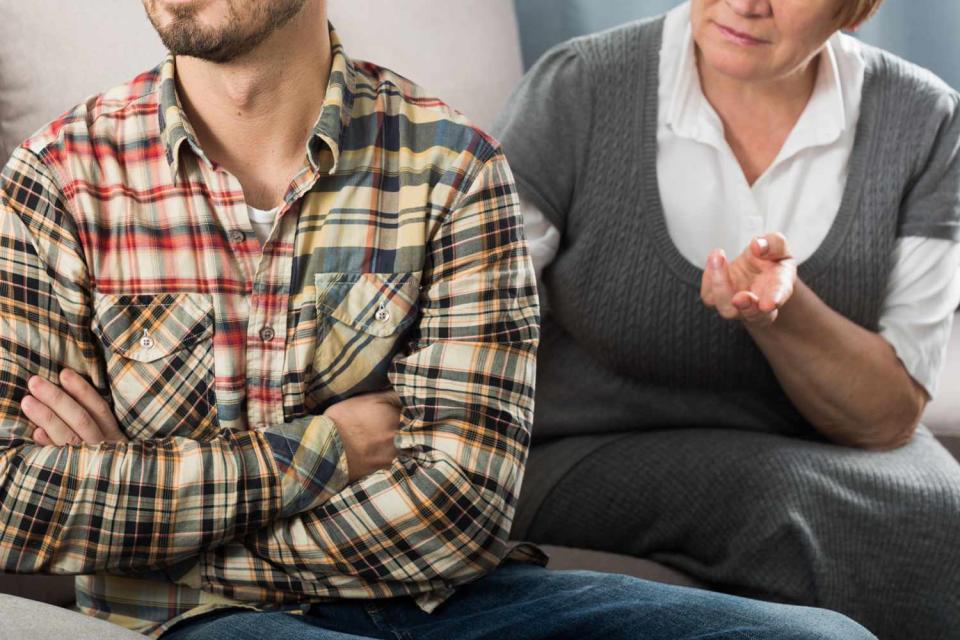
[[618, 45], [917, 92]]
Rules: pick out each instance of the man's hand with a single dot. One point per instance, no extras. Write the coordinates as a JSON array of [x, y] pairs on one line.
[[70, 413], [74, 413], [753, 287], [367, 425]]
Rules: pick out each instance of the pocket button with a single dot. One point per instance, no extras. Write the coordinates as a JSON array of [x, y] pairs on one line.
[[382, 314], [146, 341]]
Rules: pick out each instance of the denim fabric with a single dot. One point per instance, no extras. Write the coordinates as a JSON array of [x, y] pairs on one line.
[[527, 602]]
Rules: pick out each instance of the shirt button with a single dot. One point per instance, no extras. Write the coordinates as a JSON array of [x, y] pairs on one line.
[[237, 236], [382, 315], [146, 341], [267, 334]]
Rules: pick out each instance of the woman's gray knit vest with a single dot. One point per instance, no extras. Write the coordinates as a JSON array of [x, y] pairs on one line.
[[627, 343]]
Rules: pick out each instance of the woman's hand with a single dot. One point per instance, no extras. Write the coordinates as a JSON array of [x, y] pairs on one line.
[[755, 286], [70, 413]]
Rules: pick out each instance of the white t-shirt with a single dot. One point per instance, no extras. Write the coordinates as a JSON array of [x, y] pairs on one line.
[[262, 221], [799, 194]]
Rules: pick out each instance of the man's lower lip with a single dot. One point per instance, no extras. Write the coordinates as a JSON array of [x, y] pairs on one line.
[[737, 38]]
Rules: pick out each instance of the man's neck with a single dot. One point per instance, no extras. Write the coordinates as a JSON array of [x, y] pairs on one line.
[[254, 115]]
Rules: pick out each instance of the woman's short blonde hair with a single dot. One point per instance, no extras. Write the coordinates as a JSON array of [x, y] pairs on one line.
[[855, 12]]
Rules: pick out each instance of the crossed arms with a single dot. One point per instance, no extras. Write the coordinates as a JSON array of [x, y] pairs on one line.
[[265, 511]]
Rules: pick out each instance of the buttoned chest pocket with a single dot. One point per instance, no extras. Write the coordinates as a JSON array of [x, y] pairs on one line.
[[362, 321], [159, 355]]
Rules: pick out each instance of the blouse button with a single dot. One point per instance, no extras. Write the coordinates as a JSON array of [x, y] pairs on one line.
[[267, 334], [237, 236]]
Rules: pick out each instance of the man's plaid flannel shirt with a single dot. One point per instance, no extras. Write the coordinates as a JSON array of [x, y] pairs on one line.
[[397, 259]]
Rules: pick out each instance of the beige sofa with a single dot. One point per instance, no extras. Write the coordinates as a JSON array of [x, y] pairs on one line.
[[53, 53]]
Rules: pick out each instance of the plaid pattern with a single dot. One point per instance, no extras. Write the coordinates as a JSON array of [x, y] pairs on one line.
[[397, 259]]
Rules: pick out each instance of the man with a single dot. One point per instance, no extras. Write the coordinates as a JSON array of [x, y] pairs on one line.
[[214, 279]]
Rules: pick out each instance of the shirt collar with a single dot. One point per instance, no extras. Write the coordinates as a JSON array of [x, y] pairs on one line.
[[687, 106], [825, 118], [334, 118], [690, 115]]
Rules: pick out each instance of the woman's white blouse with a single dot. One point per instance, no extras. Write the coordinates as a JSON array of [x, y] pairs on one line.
[[708, 203]]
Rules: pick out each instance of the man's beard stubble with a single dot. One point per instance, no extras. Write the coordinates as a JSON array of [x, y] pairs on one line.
[[250, 23]]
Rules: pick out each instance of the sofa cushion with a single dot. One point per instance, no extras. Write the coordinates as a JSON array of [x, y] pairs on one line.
[[568, 558], [54, 54], [20, 619]]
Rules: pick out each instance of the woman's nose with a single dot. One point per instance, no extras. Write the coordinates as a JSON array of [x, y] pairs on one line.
[[751, 8]]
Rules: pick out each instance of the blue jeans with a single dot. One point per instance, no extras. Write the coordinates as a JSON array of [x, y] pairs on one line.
[[527, 602]]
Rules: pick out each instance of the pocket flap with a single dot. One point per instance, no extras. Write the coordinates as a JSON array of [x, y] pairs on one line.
[[149, 327], [380, 304]]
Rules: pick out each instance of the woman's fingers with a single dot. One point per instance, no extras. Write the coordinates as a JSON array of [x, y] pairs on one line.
[[748, 304], [772, 246], [721, 289], [61, 417], [706, 288], [93, 403], [773, 299], [763, 286], [778, 286]]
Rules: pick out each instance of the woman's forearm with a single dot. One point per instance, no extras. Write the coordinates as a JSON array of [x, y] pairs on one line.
[[845, 380]]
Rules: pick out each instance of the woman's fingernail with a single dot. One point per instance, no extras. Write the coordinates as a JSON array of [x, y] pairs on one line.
[[764, 245], [715, 261]]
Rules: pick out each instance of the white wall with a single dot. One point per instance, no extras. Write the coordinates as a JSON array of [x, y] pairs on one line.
[[466, 52], [55, 53]]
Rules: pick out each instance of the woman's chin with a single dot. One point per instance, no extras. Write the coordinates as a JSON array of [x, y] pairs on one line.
[[742, 66]]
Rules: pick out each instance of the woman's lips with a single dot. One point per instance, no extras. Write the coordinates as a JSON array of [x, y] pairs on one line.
[[738, 37]]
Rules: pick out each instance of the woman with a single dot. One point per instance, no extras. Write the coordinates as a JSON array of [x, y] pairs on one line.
[[753, 423]]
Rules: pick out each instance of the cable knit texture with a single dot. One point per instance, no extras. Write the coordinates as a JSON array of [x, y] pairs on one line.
[[715, 471]]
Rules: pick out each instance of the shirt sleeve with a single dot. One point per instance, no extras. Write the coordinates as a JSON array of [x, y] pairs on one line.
[[931, 206], [118, 507], [440, 516], [543, 242], [922, 295]]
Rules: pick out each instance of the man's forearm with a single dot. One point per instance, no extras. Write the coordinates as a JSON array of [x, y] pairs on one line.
[[439, 517], [125, 507], [845, 380]]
